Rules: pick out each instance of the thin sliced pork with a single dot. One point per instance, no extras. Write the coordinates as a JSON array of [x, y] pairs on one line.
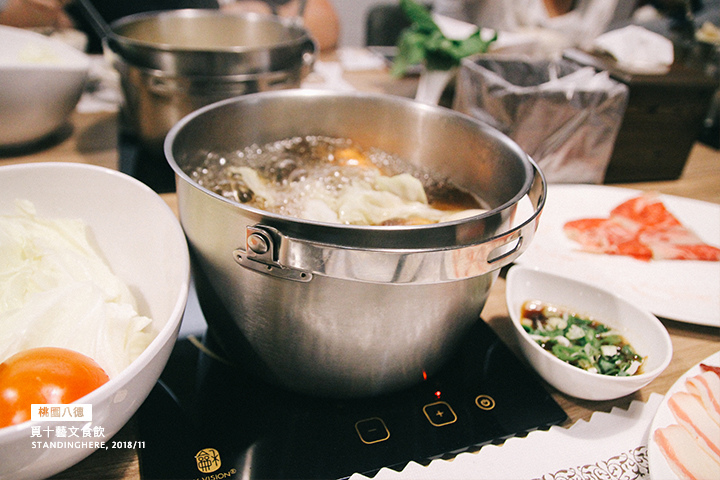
[[691, 414], [683, 455], [706, 387], [709, 368]]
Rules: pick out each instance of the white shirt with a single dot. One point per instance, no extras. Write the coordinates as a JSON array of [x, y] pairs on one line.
[[586, 21]]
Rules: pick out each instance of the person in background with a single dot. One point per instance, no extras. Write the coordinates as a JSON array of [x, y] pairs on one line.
[[672, 17], [579, 21], [320, 17], [34, 13]]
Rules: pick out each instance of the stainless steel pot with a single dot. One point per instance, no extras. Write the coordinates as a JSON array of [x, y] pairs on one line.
[[154, 100], [174, 62], [211, 42], [340, 310]]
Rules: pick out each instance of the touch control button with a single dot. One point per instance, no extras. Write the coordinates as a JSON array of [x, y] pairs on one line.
[[439, 414], [485, 402], [372, 430]]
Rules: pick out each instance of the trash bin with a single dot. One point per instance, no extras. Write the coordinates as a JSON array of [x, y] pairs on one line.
[[664, 116], [564, 115]]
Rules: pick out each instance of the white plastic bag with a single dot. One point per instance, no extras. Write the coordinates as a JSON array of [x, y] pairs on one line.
[[565, 116]]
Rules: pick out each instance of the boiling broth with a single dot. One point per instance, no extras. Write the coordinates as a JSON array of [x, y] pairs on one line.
[[333, 180]]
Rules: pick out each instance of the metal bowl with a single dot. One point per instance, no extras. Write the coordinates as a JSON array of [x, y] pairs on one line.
[[210, 42], [174, 62], [340, 310]]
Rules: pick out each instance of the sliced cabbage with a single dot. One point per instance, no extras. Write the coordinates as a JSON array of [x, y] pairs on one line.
[[56, 290]]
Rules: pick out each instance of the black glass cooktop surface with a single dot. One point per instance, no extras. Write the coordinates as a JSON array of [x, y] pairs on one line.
[[145, 164], [206, 419]]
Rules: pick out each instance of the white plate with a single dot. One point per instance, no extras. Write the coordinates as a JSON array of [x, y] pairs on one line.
[[659, 468], [683, 290]]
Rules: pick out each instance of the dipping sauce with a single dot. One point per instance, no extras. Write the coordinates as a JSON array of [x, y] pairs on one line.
[[333, 180], [579, 340]]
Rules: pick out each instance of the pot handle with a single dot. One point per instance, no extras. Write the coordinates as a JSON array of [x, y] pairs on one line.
[[269, 251], [521, 235]]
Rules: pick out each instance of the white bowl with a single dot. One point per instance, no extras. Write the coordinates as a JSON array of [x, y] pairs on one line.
[[70, 36], [642, 330], [41, 81], [143, 243]]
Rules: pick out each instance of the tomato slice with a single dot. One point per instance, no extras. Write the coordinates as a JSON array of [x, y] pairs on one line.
[[44, 375]]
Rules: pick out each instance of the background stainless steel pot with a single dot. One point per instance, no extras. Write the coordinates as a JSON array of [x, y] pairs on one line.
[[341, 310], [211, 42], [174, 62]]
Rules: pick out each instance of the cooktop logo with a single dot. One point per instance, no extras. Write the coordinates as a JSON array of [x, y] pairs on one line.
[[208, 460]]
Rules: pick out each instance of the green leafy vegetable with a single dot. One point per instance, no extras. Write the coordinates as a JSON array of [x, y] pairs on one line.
[[580, 341], [424, 42]]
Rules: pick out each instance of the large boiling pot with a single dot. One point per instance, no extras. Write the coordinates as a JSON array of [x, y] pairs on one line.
[[174, 62], [340, 310]]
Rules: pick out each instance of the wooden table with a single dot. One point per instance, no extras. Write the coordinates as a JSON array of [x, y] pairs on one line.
[[92, 140]]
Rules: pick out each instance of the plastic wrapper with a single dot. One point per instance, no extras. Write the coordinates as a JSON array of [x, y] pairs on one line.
[[565, 116]]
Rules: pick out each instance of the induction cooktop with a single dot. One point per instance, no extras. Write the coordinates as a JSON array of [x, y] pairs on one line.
[[144, 163], [206, 419]]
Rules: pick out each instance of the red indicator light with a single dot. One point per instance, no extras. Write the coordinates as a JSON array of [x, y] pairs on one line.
[[424, 375], [438, 393]]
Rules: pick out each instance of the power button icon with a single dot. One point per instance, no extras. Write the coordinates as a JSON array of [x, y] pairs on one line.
[[485, 402]]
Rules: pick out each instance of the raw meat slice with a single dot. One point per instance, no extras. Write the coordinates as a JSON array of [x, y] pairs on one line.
[[709, 368], [602, 235], [641, 228], [706, 387], [645, 210], [686, 459], [691, 414]]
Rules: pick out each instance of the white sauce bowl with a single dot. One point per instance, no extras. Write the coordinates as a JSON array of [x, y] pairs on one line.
[[642, 330]]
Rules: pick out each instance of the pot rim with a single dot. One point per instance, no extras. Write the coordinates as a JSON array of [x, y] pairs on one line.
[[119, 63], [124, 41], [429, 234]]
